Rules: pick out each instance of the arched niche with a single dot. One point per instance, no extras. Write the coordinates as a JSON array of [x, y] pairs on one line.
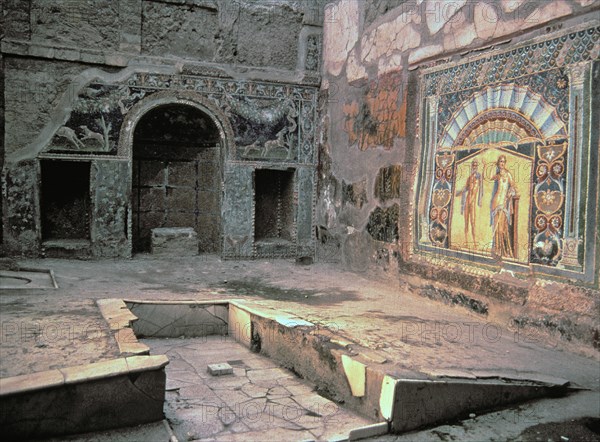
[[177, 144]]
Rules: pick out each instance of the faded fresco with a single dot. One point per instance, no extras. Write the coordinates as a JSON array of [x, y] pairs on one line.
[[507, 155], [381, 118]]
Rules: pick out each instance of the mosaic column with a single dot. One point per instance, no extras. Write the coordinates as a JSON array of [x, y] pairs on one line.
[[577, 140], [430, 123]]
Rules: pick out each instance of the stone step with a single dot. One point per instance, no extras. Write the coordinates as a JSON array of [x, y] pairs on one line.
[[67, 248]]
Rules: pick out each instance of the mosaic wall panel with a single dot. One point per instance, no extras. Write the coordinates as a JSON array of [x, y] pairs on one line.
[[238, 219], [110, 216], [509, 157], [305, 232], [273, 125]]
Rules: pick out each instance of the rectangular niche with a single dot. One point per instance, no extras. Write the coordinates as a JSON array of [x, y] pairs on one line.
[[65, 200], [274, 205]]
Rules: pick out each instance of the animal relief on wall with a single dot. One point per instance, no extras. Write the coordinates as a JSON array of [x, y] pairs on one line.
[[94, 122], [265, 129]]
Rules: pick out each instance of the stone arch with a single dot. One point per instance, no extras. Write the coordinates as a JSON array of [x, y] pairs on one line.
[[146, 106], [218, 117]]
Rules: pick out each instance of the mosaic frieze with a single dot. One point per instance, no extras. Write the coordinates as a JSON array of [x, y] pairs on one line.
[[553, 85], [264, 129], [314, 44], [272, 122], [534, 58], [238, 217], [505, 147], [95, 120]]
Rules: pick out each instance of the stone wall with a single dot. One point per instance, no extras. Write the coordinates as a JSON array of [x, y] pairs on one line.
[[58, 56], [372, 165]]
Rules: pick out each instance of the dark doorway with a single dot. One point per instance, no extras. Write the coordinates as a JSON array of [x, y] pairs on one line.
[[65, 200], [176, 175], [274, 205]]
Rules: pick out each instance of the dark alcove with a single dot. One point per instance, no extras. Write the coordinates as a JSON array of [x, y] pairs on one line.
[[176, 175], [274, 205], [65, 201]]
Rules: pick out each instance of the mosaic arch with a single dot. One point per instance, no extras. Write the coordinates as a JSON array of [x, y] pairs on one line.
[[509, 150]]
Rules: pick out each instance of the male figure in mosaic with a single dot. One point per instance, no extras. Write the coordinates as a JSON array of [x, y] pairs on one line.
[[471, 198]]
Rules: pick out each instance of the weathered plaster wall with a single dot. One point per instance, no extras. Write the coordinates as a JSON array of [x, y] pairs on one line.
[[370, 144], [53, 51]]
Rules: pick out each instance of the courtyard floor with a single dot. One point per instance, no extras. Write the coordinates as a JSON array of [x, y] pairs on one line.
[[45, 328]]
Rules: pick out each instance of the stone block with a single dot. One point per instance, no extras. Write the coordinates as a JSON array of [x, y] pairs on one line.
[[31, 382], [116, 60], [240, 326], [424, 52], [220, 369], [93, 371], [196, 29], [355, 374], [341, 34], [486, 20], [419, 403], [440, 12], [115, 312], [41, 51], [354, 69], [99, 404], [128, 343], [372, 430], [174, 241], [14, 47], [92, 57], [67, 54], [386, 399]]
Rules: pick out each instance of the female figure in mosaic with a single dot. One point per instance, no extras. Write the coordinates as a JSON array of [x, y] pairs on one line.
[[501, 210]]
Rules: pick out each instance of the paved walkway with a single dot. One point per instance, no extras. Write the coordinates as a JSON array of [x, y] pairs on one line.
[[49, 328]]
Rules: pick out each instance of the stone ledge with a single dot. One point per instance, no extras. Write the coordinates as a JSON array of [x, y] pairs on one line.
[[115, 311], [122, 58], [129, 345], [119, 319], [112, 400], [372, 430], [159, 302], [31, 382], [80, 373], [84, 55]]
